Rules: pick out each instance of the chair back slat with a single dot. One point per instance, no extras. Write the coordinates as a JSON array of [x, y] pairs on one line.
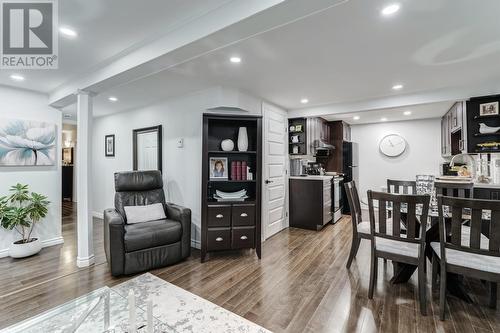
[[475, 229], [456, 226], [411, 220], [396, 218], [495, 231], [354, 204], [393, 186], [382, 216], [451, 236]]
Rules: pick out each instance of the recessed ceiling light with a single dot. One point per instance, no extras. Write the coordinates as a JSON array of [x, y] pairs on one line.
[[304, 101], [397, 87], [235, 60], [391, 9], [17, 77], [68, 32], [407, 113], [356, 117], [383, 119], [113, 99]]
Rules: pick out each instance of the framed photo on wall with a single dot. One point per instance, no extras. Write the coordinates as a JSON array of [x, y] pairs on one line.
[[109, 145], [218, 168], [488, 109]]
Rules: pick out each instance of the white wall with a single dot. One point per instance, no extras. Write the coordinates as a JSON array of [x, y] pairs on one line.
[[22, 104], [422, 156], [180, 118]]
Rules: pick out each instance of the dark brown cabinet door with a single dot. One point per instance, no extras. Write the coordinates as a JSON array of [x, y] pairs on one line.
[[243, 237], [218, 239], [243, 215], [219, 216]]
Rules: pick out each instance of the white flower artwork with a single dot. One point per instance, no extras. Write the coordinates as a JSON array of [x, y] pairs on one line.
[[24, 142]]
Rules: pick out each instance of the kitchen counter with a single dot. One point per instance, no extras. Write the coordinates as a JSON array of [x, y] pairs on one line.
[[313, 177], [484, 185]]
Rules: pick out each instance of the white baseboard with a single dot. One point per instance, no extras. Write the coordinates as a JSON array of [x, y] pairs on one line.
[[45, 243], [196, 244], [98, 215], [85, 261]]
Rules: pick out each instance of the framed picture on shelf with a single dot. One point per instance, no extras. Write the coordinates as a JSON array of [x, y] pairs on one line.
[[218, 168], [488, 109], [109, 145]]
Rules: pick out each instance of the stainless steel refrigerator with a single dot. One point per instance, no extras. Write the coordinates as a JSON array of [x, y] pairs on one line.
[[350, 169]]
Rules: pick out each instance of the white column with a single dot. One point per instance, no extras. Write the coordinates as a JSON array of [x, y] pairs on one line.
[[83, 177]]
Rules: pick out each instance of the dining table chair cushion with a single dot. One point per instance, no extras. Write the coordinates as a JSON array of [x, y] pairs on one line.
[[397, 247], [469, 260]]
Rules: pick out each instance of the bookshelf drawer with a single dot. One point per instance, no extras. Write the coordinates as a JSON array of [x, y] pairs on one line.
[[243, 238], [219, 216], [218, 239], [243, 215]]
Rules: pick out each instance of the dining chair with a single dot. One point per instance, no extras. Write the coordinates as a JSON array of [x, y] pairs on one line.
[[390, 243], [475, 258], [394, 186], [360, 229]]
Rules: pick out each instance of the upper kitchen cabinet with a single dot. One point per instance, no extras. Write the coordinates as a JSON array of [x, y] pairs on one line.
[[306, 135], [453, 131], [339, 132], [483, 123]]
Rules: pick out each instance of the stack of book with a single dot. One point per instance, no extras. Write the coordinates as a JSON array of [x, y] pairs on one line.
[[230, 196], [240, 170]]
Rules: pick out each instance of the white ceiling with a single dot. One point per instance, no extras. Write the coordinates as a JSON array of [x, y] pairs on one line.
[[107, 30], [342, 54], [421, 111]]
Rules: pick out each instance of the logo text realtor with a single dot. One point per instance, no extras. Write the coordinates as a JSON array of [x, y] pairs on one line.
[[29, 38]]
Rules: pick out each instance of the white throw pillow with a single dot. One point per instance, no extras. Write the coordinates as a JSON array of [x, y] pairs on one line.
[[138, 214]]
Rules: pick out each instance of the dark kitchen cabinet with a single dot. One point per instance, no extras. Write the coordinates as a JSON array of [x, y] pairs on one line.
[[486, 193], [478, 142], [453, 131]]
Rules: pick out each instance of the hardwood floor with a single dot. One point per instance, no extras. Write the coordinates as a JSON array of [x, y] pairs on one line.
[[300, 285]]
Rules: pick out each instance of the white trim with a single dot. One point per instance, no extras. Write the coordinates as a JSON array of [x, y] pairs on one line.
[[196, 244], [85, 261], [98, 215], [45, 243]]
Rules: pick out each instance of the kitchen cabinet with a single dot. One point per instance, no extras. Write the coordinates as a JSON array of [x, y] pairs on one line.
[[453, 131], [478, 142], [340, 132], [487, 193], [310, 202]]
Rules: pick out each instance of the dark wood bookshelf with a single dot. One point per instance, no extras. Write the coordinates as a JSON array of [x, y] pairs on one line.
[[474, 138], [231, 225]]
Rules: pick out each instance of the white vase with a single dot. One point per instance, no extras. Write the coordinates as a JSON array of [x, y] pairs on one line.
[[23, 250], [242, 139], [227, 145]]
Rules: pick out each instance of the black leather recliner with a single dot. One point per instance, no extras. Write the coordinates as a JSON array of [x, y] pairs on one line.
[[138, 247]]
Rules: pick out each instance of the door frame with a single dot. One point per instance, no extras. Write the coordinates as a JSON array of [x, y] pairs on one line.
[[265, 207]]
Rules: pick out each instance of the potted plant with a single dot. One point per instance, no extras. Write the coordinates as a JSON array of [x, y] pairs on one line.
[[21, 211]]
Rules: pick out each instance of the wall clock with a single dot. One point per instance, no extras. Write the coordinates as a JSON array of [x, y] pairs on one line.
[[392, 145]]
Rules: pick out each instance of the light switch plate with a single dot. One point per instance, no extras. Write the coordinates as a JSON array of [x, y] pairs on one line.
[[180, 143]]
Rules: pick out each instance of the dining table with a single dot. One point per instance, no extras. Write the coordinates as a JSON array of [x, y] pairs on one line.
[[403, 271]]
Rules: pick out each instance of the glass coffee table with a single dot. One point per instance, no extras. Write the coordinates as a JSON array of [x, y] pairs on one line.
[[102, 310]]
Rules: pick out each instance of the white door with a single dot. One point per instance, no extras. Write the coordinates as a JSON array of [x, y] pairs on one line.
[[275, 180]]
